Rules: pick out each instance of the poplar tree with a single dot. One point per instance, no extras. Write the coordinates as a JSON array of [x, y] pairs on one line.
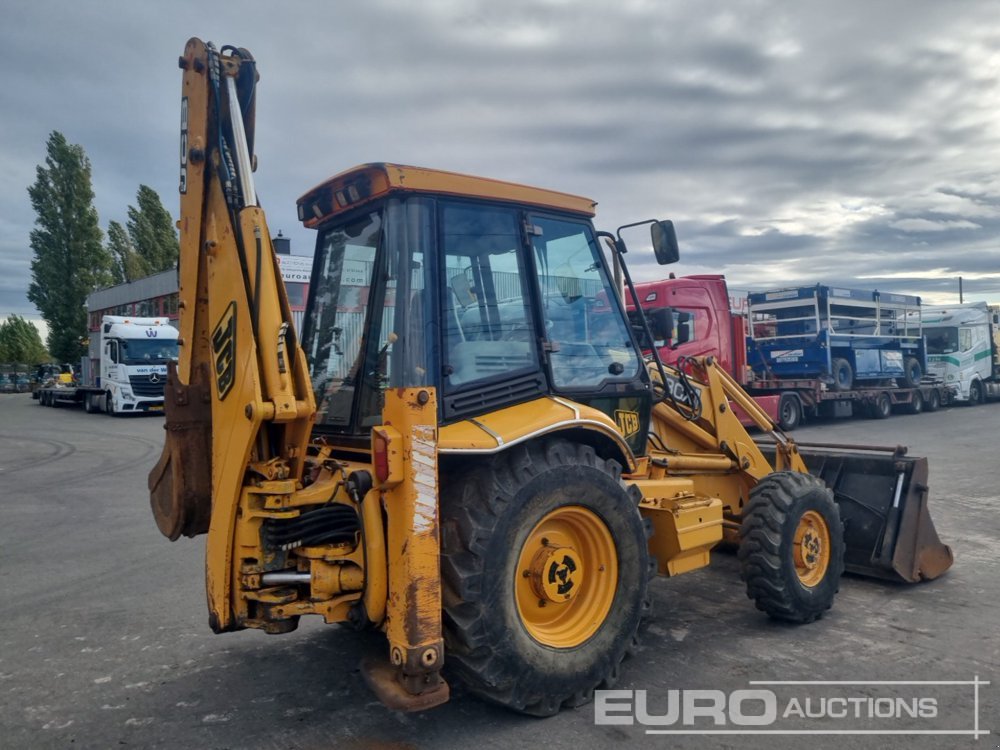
[[69, 259], [151, 230]]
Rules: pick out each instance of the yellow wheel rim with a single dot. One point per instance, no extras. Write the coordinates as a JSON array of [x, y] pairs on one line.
[[811, 548], [566, 577]]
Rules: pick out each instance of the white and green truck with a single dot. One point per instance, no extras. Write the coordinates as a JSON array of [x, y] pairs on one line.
[[963, 342]]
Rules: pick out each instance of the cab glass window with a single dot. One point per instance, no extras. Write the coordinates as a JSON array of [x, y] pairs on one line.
[[584, 324]]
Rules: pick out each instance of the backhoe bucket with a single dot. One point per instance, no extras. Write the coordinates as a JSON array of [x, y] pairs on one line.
[[888, 530], [180, 484]]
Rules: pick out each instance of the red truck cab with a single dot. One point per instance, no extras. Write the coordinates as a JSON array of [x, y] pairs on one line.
[[706, 326]]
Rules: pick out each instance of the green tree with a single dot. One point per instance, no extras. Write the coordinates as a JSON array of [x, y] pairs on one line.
[[151, 229], [69, 259], [128, 264], [20, 342]]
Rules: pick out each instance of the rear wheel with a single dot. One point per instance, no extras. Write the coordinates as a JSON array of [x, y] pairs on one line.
[[912, 372], [933, 402], [792, 547], [89, 404], [545, 570], [881, 407], [916, 404], [843, 374], [789, 412]]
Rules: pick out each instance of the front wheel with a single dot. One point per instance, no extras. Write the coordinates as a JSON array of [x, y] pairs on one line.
[[545, 570], [975, 393], [791, 549]]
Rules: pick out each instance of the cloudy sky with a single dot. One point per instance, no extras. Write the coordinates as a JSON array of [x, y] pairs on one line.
[[850, 143]]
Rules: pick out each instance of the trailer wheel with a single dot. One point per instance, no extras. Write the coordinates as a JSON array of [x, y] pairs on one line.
[[791, 549], [843, 374], [933, 402], [789, 412], [545, 569], [881, 407], [912, 372], [975, 393], [916, 404]]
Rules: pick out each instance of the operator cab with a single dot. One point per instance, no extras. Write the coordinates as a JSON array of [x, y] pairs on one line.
[[492, 293]]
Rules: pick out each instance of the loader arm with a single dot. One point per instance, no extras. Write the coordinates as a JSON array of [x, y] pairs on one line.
[[238, 404], [881, 492]]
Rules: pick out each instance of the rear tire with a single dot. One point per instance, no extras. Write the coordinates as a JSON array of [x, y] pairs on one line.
[[933, 402], [843, 374], [789, 412], [912, 372], [881, 407], [791, 549], [541, 509], [916, 404]]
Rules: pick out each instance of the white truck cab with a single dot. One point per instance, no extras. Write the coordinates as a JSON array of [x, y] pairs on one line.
[[133, 362], [962, 349]]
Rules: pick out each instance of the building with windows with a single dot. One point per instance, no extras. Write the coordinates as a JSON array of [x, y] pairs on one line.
[[156, 295]]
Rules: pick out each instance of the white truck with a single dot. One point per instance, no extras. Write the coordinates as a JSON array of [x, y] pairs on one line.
[[126, 369], [962, 349]]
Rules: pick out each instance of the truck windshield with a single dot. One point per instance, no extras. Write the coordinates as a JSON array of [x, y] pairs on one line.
[[148, 351], [942, 340]]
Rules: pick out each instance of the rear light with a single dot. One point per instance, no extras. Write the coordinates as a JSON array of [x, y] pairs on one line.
[[380, 456], [387, 456]]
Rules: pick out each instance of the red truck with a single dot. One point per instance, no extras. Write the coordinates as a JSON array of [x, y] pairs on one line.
[[704, 325]]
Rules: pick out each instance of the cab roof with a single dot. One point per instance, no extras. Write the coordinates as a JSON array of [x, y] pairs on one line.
[[359, 185]]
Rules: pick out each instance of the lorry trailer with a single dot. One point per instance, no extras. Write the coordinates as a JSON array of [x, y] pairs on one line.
[[875, 376], [125, 371]]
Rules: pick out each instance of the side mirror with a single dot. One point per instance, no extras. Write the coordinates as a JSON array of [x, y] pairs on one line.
[[664, 242], [661, 324], [683, 322]]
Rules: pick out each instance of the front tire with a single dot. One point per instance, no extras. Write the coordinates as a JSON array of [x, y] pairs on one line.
[[791, 549], [545, 570], [975, 393]]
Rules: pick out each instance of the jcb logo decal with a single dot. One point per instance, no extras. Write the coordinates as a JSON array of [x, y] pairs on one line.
[[224, 348], [628, 422]]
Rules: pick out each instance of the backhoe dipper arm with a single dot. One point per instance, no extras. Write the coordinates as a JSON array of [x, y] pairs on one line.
[[239, 407]]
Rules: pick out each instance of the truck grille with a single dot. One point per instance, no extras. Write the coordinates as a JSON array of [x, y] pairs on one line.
[[143, 386]]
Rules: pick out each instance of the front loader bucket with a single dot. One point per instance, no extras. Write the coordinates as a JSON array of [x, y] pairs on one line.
[[180, 485], [883, 503]]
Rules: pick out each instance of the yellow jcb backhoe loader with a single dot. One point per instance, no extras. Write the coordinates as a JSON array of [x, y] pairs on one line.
[[464, 447]]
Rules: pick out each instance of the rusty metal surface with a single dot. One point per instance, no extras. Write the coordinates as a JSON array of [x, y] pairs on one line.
[[383, 680], [180, 485]]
